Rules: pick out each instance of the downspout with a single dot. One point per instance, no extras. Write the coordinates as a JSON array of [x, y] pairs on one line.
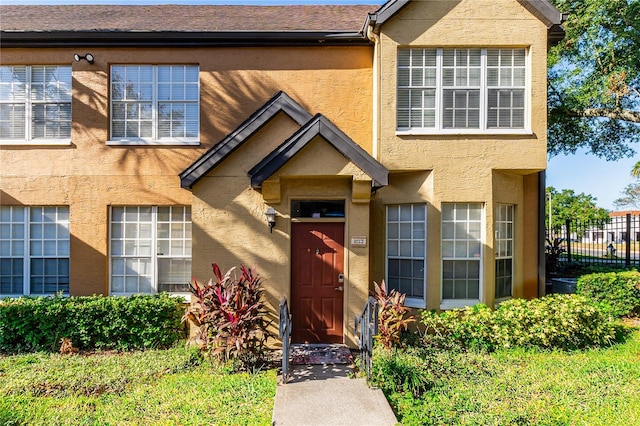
[[375, 145]]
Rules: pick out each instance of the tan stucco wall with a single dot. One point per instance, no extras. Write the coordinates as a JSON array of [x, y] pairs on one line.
[[89, 176], [487, 169]]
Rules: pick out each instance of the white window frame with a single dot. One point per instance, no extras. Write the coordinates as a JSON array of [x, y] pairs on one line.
[[484, 87], [28, 103], [412, 243], [504, 243], [447, 237], [24, 243], [153, 256], [155, 102]]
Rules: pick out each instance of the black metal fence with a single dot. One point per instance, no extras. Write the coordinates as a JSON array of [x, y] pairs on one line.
[[614, 243], [284, 333], [366, 326]]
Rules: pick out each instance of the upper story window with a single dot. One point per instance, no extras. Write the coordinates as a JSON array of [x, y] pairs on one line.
[[462, 90], [155, 104], [35, 104]]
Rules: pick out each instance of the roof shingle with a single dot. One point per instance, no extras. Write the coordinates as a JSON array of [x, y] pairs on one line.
[[184, 18]]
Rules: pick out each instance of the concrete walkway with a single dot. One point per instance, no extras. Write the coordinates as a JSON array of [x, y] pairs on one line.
[[325, 395]]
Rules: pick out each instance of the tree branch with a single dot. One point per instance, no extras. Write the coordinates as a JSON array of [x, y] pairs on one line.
[[614, 114]]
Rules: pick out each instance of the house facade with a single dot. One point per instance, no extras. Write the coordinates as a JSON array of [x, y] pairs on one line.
[[404, 142]]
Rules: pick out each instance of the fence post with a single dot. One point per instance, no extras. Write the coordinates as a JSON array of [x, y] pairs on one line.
[[568, 236], [627, 243]]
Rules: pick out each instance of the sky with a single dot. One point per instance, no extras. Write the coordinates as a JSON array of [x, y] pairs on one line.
[[583, 173]]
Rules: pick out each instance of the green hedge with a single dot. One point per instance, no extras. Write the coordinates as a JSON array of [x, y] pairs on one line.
[[91, 322], [559, 321], [618, 293]]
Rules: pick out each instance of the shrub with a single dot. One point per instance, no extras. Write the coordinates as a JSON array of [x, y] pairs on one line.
[[231, 316], [565, 322], [617, 293], [90, 322], [404, 370], [392, 316]]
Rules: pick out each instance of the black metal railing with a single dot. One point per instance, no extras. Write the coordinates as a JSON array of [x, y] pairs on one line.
[[285, 334], [366, 326], [613, 243]]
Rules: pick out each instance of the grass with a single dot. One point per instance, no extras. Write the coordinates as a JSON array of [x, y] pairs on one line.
[[527, 387], [167, 387]]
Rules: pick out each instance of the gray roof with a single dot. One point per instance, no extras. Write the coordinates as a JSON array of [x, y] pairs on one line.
[[184, 18]]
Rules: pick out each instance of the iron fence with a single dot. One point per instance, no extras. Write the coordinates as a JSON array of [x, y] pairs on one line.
[[285, 334], [366, 326], [613, 243]]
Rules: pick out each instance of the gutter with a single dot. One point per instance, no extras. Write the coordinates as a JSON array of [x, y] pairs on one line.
[[49, 39]]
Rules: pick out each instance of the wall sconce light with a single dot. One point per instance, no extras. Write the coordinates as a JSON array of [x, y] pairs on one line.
[[87, 57], [271, 218]]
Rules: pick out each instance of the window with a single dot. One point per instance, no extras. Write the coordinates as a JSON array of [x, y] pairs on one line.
[[504, 250], [461, 252], [150, 249], [34, 250], [406, 251], [461, 90], [155, 104], [35, 104]]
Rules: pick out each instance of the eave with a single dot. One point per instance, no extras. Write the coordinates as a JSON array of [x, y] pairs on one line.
[[98, 38]]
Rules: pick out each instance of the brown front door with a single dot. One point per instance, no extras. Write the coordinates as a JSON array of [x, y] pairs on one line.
[[317, 258]]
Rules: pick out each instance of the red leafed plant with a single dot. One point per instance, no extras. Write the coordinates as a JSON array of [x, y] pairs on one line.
[[231, 316], [392, 315]]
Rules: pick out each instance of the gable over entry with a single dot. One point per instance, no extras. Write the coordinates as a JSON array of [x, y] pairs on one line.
[[280, 157]]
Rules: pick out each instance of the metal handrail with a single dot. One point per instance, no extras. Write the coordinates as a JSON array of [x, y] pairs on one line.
[[366, 326], [285, 334]]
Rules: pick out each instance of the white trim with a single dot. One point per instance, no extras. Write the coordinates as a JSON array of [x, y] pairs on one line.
[[484, 88], [36, 142], [453, 132], [457, 303], [148, 142]]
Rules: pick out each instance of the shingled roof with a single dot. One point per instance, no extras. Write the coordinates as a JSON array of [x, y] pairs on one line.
[[185, 18]]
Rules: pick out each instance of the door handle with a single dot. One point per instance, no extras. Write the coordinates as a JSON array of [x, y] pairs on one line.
[[339, 288]]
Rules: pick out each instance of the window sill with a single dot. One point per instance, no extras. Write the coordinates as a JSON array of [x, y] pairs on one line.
[[36, 142], [460, 132], [457, 304], [141, 142], [415, 303], [501, 300], [185, 296]]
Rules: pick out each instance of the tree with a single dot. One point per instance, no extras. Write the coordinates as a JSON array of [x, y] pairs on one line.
[[630, 197], [594, 79], [567, 205]]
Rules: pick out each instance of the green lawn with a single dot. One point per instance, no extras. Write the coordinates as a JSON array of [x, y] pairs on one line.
[[595, 387], [170, 387]]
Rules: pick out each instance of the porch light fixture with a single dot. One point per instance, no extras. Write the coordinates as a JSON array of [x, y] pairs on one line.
[[271, 218], [87, 57]]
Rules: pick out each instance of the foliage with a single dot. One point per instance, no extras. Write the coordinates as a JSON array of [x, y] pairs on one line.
[[565, 322], [167, 387], [527, 387], [618, 293], [392, 316], [594, 79], [630, 196], [231, 316], [567, 205], [552, 252], [90, 322]]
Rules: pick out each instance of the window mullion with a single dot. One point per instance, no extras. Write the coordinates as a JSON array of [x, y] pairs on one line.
[[154, 105], [26, 263], [28, 105], [439, 83], [154, 247], [484, 98]]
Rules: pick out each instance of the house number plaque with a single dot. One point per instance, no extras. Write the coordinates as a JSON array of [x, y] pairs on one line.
[[358, 241]]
